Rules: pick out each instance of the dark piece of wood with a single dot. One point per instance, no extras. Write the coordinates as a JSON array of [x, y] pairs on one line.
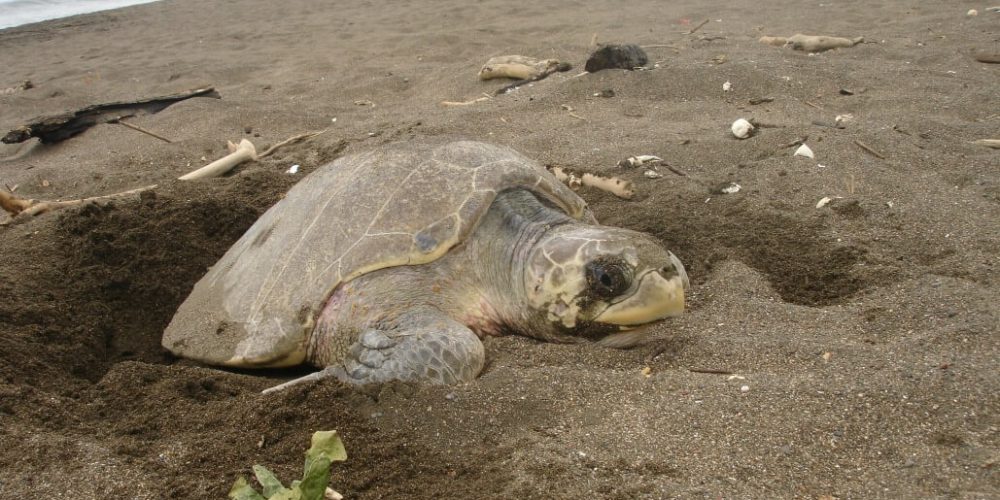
[[60, 127]]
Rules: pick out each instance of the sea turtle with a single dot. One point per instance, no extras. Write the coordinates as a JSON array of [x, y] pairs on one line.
[[392, 264]]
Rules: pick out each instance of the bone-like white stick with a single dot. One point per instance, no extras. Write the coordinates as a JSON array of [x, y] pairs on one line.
[[238, 153]]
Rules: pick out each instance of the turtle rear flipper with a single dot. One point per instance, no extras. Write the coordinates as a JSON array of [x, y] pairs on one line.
[[425, 346]]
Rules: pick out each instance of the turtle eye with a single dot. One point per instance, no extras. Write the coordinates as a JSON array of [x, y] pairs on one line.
[[608, 278]]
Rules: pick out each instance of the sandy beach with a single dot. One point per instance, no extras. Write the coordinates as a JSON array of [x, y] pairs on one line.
[[847, 350]]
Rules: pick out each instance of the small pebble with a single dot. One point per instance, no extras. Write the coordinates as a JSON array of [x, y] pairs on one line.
[[745, 388], [726, 87], [742, 128], [451, 396]]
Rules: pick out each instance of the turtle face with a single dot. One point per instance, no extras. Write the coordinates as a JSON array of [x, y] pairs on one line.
[[602, 283]]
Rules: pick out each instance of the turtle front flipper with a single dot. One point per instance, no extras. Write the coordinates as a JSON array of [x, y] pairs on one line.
[[424, 346]]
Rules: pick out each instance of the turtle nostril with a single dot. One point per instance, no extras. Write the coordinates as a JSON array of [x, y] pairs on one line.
[[668, 271]]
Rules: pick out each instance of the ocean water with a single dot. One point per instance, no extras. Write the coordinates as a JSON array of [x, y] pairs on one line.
[[18, 12]]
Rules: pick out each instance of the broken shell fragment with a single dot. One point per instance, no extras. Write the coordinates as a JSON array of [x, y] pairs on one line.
[[726, 87], [742, 128], [638, 161], [732, 188], [652, 174], [804, 151]]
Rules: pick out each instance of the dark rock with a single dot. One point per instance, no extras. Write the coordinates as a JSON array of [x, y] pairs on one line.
[[627, 56]]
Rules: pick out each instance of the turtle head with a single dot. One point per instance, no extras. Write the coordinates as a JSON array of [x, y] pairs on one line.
[[603, 284]]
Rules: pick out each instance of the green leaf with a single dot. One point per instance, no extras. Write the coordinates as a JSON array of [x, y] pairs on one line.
[[242, 490], [315, 478], [268, 480], [326, 443], [292, 494]]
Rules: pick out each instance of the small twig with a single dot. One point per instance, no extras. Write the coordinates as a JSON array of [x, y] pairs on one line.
[[464, 103], [21, 209], [794, 143], [144, 131], [817, 106], [291, 140], [710, 371], [696, 28], [658, 46], [869, 149], [674, 170]]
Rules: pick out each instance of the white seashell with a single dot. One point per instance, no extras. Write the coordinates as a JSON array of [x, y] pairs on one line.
[[652, 174], [742, 128], [804, 151], [726, 87], [294, 169], [732, 188], [972, 13]]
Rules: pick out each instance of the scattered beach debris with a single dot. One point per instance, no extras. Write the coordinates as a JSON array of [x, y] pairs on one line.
[[760, 100], [972, 13], [521, 68], [569, 108], [711, 371], [811, 43], [364, 102], [294, 169], [639, 160], [25, 85], [626, 56], [696, 28], [990, 143], [804, 150], [466, 103], [605, 93], [868, 149], [618, 187], [824, 201], [238, 153], [652, 174], [727, 187], [742, 128], [56, 128], [843, 119], [726, 87], [517, 67], [22, 209]]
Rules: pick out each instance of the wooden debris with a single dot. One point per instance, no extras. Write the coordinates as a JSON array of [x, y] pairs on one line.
[[990, 143], [21, 209], [987, 57], [811, 43], [710, 371], [869, 149], [291, 140], [56, 128], [618, 187], [465, 103]]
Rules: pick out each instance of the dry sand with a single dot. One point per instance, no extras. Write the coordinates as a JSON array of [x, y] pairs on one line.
[[864, 331]]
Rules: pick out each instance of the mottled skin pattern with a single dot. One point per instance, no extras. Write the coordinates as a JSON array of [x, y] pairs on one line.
[[425, 322]]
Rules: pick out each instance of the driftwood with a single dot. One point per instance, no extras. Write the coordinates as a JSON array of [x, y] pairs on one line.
[[56, 128], [22, 209]]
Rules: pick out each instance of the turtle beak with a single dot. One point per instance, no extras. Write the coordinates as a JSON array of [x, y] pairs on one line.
[[659, 295]]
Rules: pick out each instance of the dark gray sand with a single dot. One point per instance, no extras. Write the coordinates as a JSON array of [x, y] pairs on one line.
[[857, 342]]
